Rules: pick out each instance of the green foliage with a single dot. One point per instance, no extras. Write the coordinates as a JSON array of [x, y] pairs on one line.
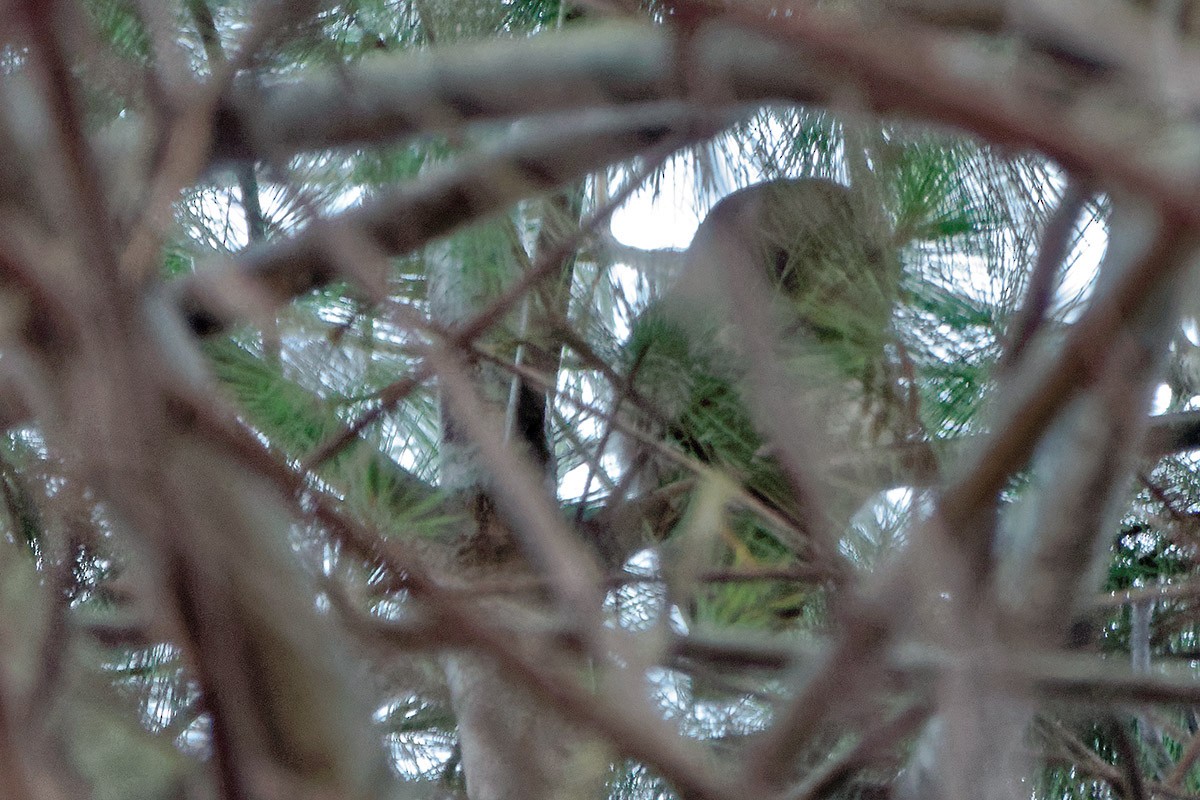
[[118, 23], [177, 261], [391, 166], [22, 505], [1144, 556], [929, 190], [297, 421], [672, 364], [535, 14]]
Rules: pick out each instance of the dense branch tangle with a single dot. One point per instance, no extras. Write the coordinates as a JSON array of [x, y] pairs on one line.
[[103, 359]]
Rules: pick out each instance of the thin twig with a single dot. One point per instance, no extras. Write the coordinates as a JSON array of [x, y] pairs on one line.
[[1056, 241], [543, 268]]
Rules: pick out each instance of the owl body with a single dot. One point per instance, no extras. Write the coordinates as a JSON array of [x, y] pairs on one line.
[[832, 290]]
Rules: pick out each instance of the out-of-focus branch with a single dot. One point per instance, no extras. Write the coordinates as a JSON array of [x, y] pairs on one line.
[[529, 163], [912, 463], [1106, 35], [920, 84], [247, 178], [632, 728], [1042, 391], [662, 261], [568, 568], [1172, 433], [618, 64], [1051, 675], [1057, 675], [595, 67], [1056, 241]]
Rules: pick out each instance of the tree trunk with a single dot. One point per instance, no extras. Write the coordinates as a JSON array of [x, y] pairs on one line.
[[513, 745]]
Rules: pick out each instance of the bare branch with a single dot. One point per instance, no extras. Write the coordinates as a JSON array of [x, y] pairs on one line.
[[528, 164], [601, 66]]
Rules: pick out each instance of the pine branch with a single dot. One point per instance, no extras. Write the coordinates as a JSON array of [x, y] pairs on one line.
[[528, 164]]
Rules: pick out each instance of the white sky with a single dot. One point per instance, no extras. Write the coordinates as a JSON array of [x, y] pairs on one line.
[[664, 219]]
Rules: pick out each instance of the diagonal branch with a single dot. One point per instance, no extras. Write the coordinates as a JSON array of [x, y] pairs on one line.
[[392, 97], [389, 98], [525, 165], [918, 85]]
